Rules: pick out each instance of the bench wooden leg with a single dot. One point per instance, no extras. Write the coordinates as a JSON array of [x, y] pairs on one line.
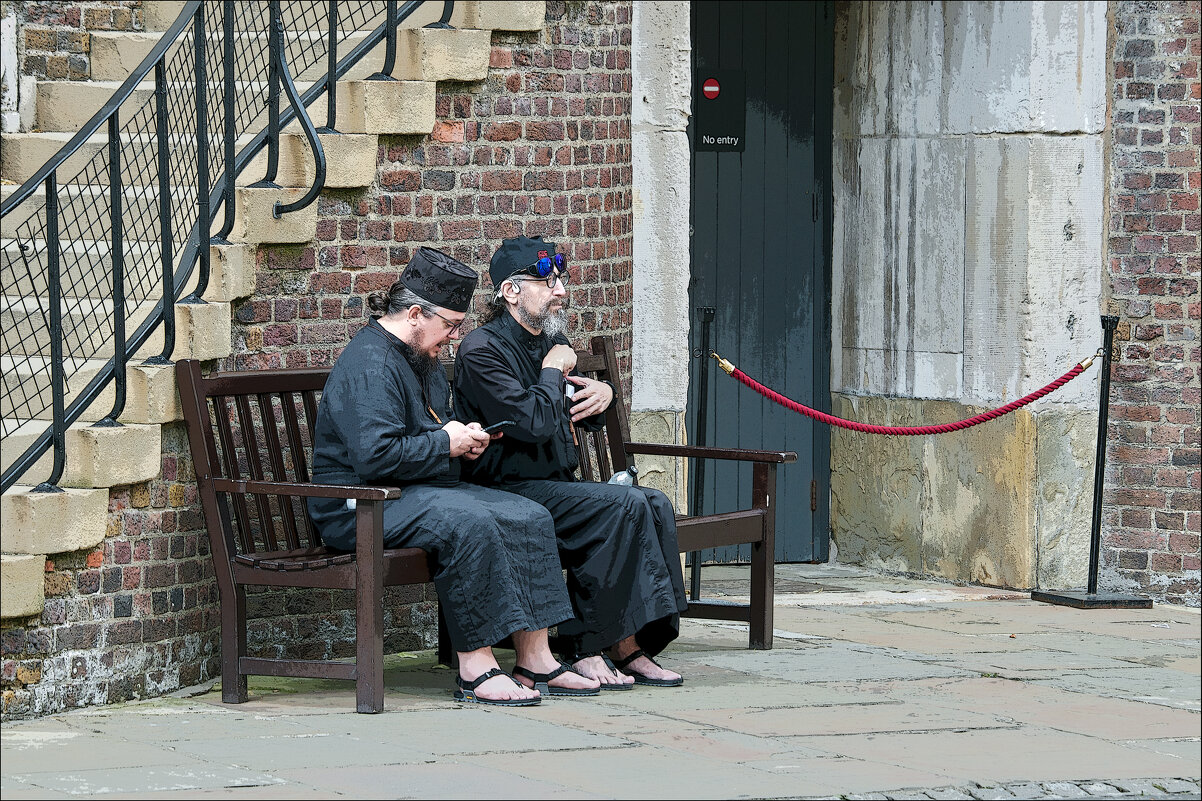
[[369, 607], [763, 559], [233, 645]]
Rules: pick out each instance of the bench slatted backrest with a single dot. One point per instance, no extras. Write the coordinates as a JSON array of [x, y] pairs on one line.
[[600, 452], [264, 429]]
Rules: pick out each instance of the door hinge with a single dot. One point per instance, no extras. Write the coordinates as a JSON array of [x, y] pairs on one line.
[[814, 495]]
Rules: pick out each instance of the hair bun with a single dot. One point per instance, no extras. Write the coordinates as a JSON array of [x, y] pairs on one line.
[[378, 302]]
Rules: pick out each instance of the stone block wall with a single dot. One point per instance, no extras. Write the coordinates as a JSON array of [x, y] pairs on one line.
[[1152, 519], [543, 146], [967, 253], [55, 34], [137, 616]]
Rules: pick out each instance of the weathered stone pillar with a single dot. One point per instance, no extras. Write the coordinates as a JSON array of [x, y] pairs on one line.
[[661, 106]]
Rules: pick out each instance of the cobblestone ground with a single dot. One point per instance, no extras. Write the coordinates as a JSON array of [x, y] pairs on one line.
[[1176, 789]]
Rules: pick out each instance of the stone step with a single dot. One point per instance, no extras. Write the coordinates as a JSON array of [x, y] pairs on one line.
[[201, 331], [86, 266], [136, 201], [442, 54], [159, 14], [52, 522], [231, 270], [423, 54], [25, 153], [501, 15], [509, 15], [23, 578], [68, 105], [96, 456], [386, 107], [151, 395], [350, 159], [115, 55]]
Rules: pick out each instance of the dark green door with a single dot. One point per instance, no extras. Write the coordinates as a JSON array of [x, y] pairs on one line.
[[761, 222]]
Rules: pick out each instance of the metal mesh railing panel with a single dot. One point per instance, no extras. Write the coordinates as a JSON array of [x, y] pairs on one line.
[[85, 220]]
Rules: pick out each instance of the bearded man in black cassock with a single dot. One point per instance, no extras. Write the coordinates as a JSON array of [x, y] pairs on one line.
[[384, 419], [618, 543]]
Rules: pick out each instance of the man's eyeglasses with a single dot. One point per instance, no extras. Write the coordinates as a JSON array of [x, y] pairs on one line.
[[549, 280], [455, 328]]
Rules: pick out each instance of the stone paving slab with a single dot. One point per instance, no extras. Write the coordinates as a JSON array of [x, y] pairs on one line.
[[1064, 710], [648, 772], [1003, 755], [433, 780], [1148, 685], [836, 661], [34, 752], [844, 720], [885, 700], [316, 750], [150, 781]]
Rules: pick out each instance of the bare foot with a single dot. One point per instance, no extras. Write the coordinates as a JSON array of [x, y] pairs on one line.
[[502, 688], [595, 667]]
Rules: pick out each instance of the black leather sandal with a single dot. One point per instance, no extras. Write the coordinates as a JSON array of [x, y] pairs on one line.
[[542, 681], [467, 691], [574, 658], [641, 678]]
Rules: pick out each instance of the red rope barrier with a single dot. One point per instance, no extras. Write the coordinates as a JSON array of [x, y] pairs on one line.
[[900, 431]]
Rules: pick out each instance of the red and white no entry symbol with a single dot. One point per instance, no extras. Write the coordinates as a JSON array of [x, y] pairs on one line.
[[710, 88]]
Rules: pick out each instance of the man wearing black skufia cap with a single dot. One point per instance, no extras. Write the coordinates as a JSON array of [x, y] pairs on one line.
[[384, 419], [618, 543]]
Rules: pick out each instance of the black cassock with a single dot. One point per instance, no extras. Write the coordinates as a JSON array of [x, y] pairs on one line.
[[496, 569], [617, 543]]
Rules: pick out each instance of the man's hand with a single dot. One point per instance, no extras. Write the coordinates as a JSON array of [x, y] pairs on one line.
[[468, 440], [561, 357], [592, 397]]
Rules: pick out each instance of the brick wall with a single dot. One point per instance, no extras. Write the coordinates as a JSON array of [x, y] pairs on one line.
[[541, 147], [55, 35], [132, 618], [1151, 539]]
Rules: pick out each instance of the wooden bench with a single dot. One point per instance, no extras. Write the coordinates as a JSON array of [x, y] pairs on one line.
[[251, 437]]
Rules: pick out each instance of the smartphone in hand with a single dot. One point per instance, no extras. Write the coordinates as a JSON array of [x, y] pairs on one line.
[[497, 425]]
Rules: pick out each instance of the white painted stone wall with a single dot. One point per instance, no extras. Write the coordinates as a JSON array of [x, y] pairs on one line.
[[968, 198]]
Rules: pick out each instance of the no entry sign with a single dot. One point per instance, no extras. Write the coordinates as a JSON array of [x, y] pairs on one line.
[[719, 110]]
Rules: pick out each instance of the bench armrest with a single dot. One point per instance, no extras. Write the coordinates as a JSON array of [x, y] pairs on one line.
[[361, 493], [699, 452]]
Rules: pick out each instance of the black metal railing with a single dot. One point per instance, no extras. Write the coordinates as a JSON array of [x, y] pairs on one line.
[[82, 265]]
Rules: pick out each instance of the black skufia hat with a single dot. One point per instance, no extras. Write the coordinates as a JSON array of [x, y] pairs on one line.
[[515, 255], [440, 279]]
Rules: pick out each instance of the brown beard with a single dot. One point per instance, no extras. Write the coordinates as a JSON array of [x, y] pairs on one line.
[[421, 363]]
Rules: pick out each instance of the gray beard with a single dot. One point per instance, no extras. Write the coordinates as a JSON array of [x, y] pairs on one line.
[[551, 323]]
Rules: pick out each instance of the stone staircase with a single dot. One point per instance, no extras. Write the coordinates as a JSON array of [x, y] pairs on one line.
[[35, 525]]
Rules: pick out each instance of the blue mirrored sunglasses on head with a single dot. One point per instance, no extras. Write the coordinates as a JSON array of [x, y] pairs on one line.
[[543, 267]]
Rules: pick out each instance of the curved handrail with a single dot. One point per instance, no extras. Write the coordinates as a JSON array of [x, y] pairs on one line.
[[190, 250]]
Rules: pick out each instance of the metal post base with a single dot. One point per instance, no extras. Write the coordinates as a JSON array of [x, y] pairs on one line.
[[1080, 599]]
